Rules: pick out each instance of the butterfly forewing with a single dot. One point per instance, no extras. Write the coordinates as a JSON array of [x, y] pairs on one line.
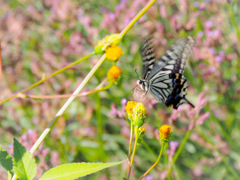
[[174, 60], [147, 57]]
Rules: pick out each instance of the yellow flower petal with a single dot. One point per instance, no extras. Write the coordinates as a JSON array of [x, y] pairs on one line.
[[130, 105], [113, 52]]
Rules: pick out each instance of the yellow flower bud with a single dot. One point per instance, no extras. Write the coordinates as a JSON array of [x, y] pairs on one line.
[[139, 115], [114, 74], [136, 113], [129, 108], [165, 132], [142, 130]]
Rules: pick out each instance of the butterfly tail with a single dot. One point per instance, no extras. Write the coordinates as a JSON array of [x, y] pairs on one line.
[[183, 101], [188, 102]]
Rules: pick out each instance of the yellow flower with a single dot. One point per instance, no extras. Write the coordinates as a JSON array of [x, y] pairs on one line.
[[114, 74], [113, 52], [130, 105], [136, 113], [107, 41], [129, 108], [165, 132], [139, 115]]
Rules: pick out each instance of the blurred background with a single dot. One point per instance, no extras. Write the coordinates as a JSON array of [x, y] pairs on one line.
[[40, 37]]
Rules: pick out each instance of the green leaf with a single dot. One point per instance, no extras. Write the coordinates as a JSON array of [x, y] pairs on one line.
[[75, 170], [24, 164], [6, 160]]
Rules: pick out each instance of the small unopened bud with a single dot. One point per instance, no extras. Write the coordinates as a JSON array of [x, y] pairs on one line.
[[114, 74], [165, 133]]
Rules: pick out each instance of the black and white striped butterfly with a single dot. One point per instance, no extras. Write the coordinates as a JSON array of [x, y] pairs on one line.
[[164, 77]]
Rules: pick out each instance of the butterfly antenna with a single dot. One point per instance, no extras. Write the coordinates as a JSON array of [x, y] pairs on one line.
[[137, 73]]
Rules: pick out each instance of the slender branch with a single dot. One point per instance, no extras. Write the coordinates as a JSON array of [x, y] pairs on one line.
[[130, 148], [130, 142], [65, 106], [179, 151], [133, 155], [159, 157], [124, 31], [45, 79], [97, 89]]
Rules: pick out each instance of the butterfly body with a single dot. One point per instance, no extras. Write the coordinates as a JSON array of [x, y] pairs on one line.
[[164, 77]]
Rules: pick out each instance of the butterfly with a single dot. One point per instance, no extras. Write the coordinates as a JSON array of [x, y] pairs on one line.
[[164, 77]]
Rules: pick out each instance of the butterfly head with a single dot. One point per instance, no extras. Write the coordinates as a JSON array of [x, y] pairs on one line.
[[143, 84]]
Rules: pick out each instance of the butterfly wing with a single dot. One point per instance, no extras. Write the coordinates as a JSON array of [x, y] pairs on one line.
[[174, 60], [147, 58], [179, 92], [168, 70], [161, 87]]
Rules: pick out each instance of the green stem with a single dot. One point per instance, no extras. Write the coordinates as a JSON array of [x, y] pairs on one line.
[[133, 155], [126, 29], [179, 151], [159, 157], [45, 79], [130, 142]]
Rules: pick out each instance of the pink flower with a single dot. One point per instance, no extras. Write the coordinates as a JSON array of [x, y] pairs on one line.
[[114, 110], [148, 177], [163, 11], [201, 102], [218, 59], [202, 118], [208, 25], [55, 158]]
